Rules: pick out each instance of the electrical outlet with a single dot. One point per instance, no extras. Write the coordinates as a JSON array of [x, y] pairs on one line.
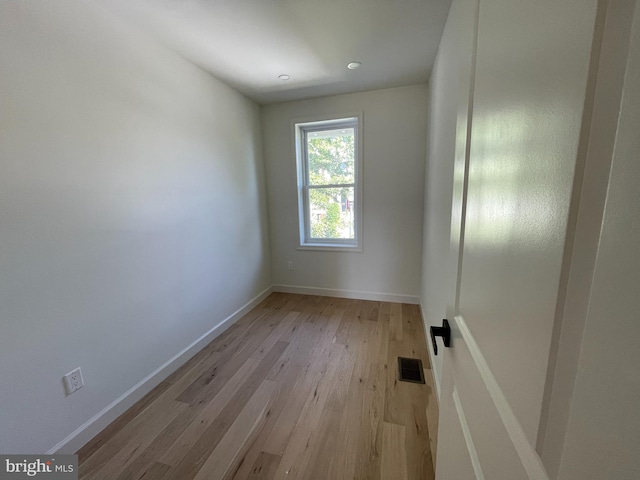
[[290, 264], [73, 381]]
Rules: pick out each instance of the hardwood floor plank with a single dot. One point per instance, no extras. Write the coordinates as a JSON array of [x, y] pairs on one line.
[[419, 458], [227, 361], [302, 387], [147, 457], [394, 457], [348, 322], [179, 448], [295, 407], [395, 322], [198, 454], [373, 312], [338, 395], [369, 449], [343, 462], [321, 447], [264, 468], [300, 445], [229, 450], [405, 403], [292, 374], [113, 428], [432, 415], [107, 462], [281, 329], [128, 434], [411, 319], [156, 472]]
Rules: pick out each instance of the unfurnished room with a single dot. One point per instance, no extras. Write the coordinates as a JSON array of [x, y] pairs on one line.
[[319, 239]]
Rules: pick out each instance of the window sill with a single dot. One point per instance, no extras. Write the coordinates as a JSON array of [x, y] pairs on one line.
[[335, 247]]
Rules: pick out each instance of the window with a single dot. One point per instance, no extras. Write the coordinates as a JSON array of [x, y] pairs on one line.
[[329, 195]]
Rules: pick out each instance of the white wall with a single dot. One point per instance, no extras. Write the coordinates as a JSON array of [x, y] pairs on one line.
[[393, 181], [603, 429], [590, 189], [132, 212]]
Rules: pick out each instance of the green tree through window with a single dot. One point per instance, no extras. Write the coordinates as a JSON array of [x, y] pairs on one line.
[[331, 170]]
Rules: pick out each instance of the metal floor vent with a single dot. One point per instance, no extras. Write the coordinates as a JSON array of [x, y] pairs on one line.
[[410, 370]]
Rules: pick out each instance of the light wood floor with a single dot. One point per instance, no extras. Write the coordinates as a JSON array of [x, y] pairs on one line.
[[302, 387]]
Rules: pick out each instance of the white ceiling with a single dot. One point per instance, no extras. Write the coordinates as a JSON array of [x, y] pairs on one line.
[[248, 43]]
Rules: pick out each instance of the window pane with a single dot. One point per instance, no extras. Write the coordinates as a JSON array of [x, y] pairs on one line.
[[331, 155], [331, 213]]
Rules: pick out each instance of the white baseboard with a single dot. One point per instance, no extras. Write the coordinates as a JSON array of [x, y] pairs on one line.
[[432, 359], [103, 418], [333, 292]]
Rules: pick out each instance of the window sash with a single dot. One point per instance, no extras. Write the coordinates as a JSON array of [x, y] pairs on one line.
[[305, 187], [307, 220], [307, 130]]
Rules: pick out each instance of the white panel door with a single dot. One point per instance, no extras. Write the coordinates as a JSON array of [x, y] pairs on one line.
[[456, 456], [517, 146]]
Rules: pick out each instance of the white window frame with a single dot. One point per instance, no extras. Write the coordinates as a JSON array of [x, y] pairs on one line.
[[301, 127]]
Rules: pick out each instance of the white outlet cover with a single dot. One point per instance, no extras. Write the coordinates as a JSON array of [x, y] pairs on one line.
[[73, 381]]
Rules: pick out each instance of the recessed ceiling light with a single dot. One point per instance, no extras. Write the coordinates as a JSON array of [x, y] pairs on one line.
[[354, 65], [284, 76]]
